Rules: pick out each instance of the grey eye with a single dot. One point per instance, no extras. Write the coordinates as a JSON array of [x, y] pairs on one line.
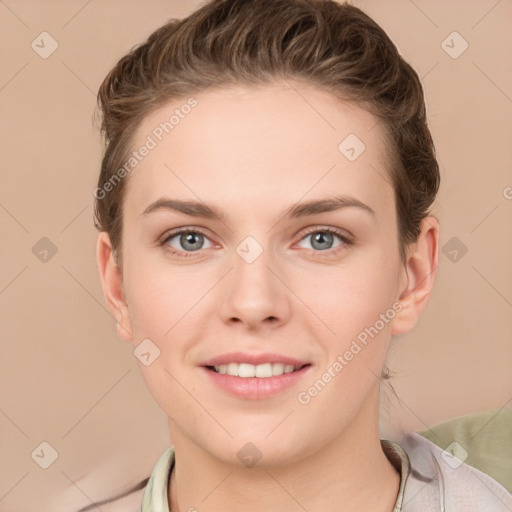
[[188, 241], [322, 240]]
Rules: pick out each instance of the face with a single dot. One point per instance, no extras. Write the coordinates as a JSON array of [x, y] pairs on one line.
[[298, 258]]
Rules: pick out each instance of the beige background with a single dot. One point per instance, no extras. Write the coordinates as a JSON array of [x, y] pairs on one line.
[[65, 377]]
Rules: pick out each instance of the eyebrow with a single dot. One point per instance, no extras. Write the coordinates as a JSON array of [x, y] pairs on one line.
[[208, 211]]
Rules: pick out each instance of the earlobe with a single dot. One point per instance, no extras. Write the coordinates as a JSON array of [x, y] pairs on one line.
[[419, 274], [112, 283]]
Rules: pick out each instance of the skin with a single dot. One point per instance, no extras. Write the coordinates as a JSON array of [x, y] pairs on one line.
[[253, 152]]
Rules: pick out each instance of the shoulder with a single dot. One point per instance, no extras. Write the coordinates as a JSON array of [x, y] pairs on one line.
[[437, 478]]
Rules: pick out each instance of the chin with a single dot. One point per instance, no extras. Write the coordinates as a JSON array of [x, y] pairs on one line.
[[259, 449]]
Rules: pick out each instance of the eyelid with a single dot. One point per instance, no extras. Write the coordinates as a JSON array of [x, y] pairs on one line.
[[343, 233], [171, 233]]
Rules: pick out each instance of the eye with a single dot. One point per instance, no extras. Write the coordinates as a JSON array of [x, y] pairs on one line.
[[185, 240], [323, 238]]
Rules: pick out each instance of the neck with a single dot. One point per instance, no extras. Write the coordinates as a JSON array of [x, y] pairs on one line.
[[350, 473]]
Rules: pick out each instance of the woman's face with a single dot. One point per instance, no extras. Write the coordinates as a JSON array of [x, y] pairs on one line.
[[269, 282]]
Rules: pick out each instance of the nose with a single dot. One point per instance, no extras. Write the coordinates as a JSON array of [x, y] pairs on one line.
[[255, 292]]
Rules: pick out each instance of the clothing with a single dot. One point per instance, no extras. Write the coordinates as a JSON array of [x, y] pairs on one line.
[[486, 437], [431, 480]]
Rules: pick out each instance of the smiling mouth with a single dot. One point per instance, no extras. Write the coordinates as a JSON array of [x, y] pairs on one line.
[[262, 371]]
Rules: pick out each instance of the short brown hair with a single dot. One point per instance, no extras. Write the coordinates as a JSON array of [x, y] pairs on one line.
[[333, 46]]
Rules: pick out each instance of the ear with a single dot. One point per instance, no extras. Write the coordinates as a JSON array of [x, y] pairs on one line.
[[112, 283], [419, 274]]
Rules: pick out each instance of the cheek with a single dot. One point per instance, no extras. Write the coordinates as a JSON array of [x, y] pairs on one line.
[[161, 307], [162, 299], [348, 297], [168, 305], [351, 305]]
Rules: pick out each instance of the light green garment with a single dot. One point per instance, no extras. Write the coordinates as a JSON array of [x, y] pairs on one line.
[[486, 437]]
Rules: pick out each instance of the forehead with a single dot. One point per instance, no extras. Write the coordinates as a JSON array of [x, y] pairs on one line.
[[238, 145]]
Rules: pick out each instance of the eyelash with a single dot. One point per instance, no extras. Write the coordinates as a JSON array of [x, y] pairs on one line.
[[187, 254]]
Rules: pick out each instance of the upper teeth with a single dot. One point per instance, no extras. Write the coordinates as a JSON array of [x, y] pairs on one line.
[[259, 370]]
